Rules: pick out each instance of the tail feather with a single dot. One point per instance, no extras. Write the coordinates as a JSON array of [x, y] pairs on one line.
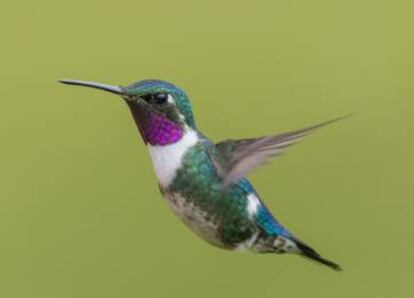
[[310, 253]]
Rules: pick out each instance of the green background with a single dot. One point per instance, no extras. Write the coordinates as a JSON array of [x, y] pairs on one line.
[[80, 212]]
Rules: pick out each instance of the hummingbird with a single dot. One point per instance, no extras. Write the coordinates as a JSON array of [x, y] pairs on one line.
[[205, 183]]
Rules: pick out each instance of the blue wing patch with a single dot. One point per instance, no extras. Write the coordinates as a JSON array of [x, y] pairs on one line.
[[269, 224]]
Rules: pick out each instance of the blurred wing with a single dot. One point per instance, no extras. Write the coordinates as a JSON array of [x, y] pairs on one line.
[[236, 158]]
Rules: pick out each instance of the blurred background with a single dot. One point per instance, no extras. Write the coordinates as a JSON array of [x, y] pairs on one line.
[[80, 211]]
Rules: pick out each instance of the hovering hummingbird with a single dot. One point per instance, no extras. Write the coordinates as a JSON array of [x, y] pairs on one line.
[[203, 182]]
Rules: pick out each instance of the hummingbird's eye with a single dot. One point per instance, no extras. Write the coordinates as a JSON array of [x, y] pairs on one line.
[[160, 98]]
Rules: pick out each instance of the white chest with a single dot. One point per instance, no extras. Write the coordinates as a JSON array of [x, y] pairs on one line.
[[167, 159]]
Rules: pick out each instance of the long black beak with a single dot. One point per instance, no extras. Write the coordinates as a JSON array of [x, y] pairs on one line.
[[114, 89]]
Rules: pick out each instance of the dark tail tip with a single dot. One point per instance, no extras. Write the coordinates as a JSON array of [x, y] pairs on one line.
[[310, 253]]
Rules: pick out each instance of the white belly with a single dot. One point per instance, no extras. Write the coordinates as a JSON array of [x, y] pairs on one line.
[[194, 218]]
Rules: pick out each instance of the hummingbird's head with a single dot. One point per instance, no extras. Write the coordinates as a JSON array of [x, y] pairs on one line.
[[160, 109], [162, 97]]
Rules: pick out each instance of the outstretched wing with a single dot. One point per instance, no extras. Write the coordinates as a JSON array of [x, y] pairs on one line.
[[236, 158]]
